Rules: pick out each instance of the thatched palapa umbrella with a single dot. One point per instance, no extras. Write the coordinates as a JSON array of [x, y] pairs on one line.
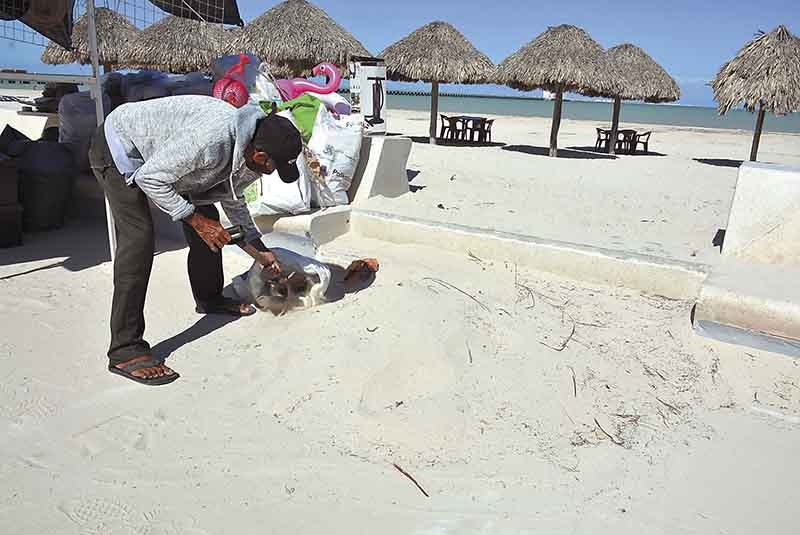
[[642, 79], [562, 59], [296, 35], [114, 31], [765, 76], [436, 53], [177, 45]]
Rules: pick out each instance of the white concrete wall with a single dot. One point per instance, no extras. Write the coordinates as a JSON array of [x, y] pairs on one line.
[[764, 223], [30, 126]]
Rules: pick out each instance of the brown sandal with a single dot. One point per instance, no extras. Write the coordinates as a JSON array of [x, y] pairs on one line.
[[227, 306]]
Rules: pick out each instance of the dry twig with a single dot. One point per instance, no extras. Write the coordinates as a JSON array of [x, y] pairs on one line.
[[614, 440], [563, 345], [475, 258], [663, 417], [652, 371], [409, 476], [672, 408], [456, 288], [574, 383]]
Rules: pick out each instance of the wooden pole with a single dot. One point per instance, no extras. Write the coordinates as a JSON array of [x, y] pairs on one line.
[[97, 89], [556, 123], [612, 142], [757, 134], [434, 111]]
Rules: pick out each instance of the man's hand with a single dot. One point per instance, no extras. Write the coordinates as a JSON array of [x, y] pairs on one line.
[[212, 232], [266, 259], [269, 262]]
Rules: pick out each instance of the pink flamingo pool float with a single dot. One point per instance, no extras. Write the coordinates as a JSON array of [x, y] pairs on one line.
[[295, 87]]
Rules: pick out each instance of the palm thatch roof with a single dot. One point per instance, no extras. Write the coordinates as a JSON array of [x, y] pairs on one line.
[[562, 59], [177, 45], [643, 78], [296, 35], [766, 72], [437, 52], [114, 31]]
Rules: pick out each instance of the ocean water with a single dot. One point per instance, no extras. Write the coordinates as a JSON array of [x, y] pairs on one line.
[[666, 114]]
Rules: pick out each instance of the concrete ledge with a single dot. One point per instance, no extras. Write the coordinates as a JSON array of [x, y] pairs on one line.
[[756, 298], [320, 227], [764, 223], [381, 169], [744, 337], [670, 278]]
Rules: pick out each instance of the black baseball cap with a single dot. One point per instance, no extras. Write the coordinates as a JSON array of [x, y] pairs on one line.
[[281, 140]]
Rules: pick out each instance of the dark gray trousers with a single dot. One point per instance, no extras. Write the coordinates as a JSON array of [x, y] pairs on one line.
[[134, 256]]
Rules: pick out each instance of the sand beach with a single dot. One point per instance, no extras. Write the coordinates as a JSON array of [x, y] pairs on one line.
[[519, 401]]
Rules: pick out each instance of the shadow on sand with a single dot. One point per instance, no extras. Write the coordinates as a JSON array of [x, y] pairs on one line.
[[79, 245], [602, 151], [202, 327], [337, 290], [719, 162], [562, 153], [457, 143]]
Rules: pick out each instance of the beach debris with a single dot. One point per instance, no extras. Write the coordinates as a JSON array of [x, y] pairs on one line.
[[523, 291], [456, 288], [663, 417], [469, 352], [653, 372], [566, 341], [409, 476], [452, 178], [574, 382], [613, 439], [372, 330], [475, 258], [440, 206], [672, 408], [364, 268], [714, 371]]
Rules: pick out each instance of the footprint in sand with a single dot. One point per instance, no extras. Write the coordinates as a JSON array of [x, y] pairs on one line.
[[98, 515]]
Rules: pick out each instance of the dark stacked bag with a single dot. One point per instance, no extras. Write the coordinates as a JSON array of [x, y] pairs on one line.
[[36, 179], [10, 208]]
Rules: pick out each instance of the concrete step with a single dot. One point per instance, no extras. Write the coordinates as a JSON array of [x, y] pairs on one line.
[[756, 305], [659, 276]]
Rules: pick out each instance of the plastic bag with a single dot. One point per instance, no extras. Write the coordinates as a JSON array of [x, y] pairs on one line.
[[336, 146], [270, 195], [334, 102], [222, 65], [253, 288], [264, 89]]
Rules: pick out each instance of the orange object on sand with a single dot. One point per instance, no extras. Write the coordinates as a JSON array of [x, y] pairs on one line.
[[363, 266]]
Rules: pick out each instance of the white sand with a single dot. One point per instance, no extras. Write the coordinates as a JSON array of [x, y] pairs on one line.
[[290, 425], [668, 205]]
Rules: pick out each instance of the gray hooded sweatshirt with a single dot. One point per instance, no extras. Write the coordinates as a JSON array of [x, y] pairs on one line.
[[187, 147]]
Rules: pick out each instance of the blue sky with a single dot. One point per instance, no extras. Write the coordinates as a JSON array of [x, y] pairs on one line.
[[690, 38]]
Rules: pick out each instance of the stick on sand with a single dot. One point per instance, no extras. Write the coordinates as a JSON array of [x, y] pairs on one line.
[[409, 476]]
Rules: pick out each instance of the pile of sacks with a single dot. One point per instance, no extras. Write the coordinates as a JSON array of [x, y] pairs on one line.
[[332, 145], [77, 117]]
